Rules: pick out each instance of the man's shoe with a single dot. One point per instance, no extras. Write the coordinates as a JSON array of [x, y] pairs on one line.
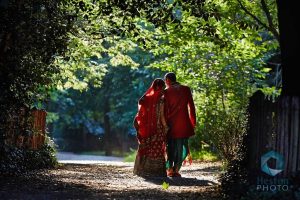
[[170, 172], [176, 174]]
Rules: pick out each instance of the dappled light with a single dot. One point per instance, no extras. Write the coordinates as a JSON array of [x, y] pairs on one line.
[[169, 99]]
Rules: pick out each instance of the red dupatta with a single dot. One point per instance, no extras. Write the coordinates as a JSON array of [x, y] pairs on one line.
[[146, 118]]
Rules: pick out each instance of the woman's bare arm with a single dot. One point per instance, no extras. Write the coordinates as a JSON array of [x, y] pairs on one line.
[[162, 115]]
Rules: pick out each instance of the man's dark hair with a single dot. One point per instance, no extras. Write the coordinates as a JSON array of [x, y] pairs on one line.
[[171, 76]]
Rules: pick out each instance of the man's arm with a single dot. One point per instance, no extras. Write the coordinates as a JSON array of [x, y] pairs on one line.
[[192, 108], [163, 119]]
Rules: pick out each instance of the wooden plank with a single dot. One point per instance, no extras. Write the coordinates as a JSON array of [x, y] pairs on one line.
[[295, 133], [286, 134], [255, 122], [291, 135], [282, 113], [297, 139]]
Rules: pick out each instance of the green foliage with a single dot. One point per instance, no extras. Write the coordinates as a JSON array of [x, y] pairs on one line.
[[95, 45], [73, 112], [31, 34]]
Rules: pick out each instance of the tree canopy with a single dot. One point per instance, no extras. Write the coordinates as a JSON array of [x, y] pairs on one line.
[[224, 50]]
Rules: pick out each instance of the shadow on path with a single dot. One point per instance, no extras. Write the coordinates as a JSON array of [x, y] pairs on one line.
[[179, 181], [210, 169], [73, 181], [47, 188]]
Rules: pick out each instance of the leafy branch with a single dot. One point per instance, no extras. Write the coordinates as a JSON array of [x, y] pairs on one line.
[[269, 27]]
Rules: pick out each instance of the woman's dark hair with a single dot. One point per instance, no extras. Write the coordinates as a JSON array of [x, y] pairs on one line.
[[171, 76], [158, 83]]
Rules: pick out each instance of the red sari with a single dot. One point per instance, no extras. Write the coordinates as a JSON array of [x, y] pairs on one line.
[[151, 134]]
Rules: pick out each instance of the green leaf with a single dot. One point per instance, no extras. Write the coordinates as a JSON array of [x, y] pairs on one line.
[[266, 70], [165, 185]]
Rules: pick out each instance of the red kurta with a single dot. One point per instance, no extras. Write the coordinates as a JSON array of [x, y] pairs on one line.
[[180, 111]]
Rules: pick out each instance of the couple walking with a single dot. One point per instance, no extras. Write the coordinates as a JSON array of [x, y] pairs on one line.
[[165, 120]]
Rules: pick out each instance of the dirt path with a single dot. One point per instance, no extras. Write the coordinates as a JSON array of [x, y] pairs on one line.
[[68, 157], [111, 180]]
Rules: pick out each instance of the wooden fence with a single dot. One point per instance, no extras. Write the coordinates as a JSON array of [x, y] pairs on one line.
[[274, 126], [20, 137]]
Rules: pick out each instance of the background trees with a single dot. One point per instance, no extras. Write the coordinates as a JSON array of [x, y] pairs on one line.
[[99, 57]]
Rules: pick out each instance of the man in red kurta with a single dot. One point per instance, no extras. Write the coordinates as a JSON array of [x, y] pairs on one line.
[[181, 119]]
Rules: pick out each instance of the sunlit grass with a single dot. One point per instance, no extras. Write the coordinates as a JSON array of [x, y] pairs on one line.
[[196, 155], [130, 157], [102, 153], [93, 153], [204, 155]]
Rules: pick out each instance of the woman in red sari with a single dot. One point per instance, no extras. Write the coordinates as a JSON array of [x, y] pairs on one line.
[[151, 132]]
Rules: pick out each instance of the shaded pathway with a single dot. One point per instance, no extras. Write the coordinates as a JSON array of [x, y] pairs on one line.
[[111, 180]]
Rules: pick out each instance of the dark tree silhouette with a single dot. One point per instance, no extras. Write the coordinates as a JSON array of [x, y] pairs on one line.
[[288, 15]]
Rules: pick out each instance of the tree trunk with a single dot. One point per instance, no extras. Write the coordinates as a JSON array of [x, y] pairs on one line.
[[107, 129], [288, 16]]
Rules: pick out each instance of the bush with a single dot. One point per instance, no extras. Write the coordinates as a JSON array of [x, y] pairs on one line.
[[226, 129], [16, 160], [235, 181]]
